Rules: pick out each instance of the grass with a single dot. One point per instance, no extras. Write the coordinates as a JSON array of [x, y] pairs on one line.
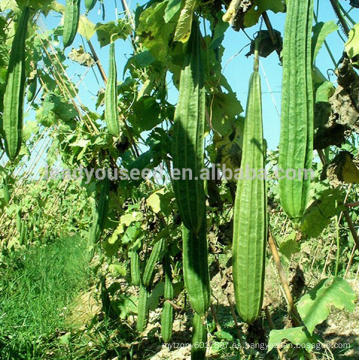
[[36, 289]]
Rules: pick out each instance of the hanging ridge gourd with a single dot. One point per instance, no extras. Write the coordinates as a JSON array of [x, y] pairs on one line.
[[196, 269], [297, 108], [150, 264], [135, 267], [31, 90], [143, 310], [71, 21], [188, 142], [167, 315], [13, 101], [188, 153], [250, 222], [99, 212], [111, 96], [199, 339]]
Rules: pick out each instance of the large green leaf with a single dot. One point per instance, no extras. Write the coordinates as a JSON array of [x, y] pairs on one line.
[[320, 212], [240, 18], [154, 33], [320, 32], [314, 307], [86, 27], [112, 31], [160, 200], [296, 335], [172, 9], [352, 45], [289, 246], [225, 107], [147, 112], [183, 27]]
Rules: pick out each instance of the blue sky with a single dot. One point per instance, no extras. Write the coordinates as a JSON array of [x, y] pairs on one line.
[[237, 71]]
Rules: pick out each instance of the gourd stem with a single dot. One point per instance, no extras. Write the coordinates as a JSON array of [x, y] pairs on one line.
[[256, 55]]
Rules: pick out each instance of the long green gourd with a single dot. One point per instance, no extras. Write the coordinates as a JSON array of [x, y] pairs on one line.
[[135, 267], [250, 222], [150, 264], [196, 269], [18, 221], [13, 100], [142, 309], [167, 318], [99, 212], [167, 315], [111, 95], [297, 108], [188, 142], [71, 21], [31, 92], [199, 338]]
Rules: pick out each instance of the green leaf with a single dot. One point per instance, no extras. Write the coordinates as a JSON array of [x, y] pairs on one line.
[[183, 27], [65, 339], [296, 335], [126, 305], [160, 201], [218, 31], [352, 45], [113, 31], [289, 246], [223, 335], [314, 307], [320, 32], [172, 9], [318, 215], [117, 269], [147, 112], [30, 127], [140, 60], [86, 27], [154, 33], [42, 5], [153, 299], [324, 92], [225, 107], [240, 19]]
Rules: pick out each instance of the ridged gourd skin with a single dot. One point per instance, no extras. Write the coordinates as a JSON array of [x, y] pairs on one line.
[[297, 107], [196, 269], [142, 309], [199, 339], [167, 318], [135, 267], [188, 138], [168, 288], [111, 96], [99, 212], [154, 257], [71, 21], [250, 220], [13, 101], [167, 315], [31, 91]]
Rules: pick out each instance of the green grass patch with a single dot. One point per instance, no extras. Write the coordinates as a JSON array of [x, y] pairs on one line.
[[37, 287]]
